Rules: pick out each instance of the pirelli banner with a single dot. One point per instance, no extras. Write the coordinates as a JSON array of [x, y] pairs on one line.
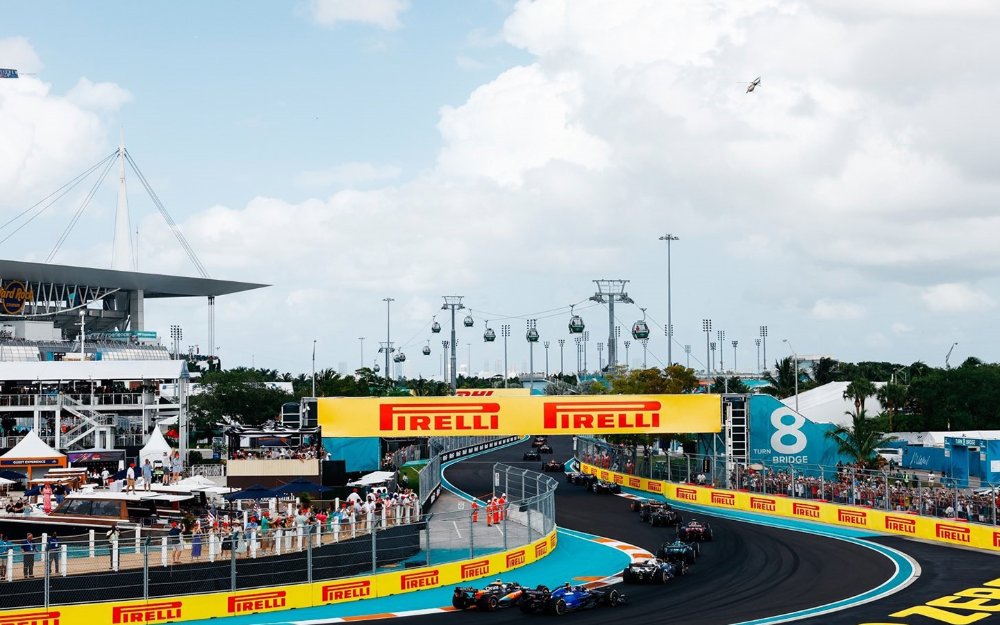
[[949, 531], [281, 598], [508, 416]]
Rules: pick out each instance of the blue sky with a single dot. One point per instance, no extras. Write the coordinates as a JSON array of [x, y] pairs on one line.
[[512, 152]]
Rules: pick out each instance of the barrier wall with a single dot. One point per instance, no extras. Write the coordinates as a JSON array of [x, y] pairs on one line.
[[194, 607], [948, 531]]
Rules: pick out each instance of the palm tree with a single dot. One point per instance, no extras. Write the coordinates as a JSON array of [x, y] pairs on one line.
[[892, 397], [859, 390], [860, 440], [825, 370], [783, 384]]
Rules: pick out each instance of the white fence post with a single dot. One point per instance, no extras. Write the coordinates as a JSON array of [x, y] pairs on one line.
[[63, 555], [91, 537], [163, 550]]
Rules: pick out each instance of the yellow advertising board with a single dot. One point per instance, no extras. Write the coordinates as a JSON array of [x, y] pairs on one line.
[[504, 416], [272, 599], [949, 531]]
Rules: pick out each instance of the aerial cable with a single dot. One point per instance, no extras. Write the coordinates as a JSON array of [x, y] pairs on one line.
[[534, 315], [166, 217], [79, 211], [58, 193]]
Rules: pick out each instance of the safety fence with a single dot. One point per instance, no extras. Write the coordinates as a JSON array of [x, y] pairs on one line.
[[447, 448], [890, 489], [534, 505], [131, 566]]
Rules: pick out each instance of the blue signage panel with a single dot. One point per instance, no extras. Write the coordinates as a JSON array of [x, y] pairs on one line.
[[780, 437]]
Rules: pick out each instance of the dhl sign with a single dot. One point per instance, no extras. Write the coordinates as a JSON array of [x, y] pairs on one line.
[[688, 494], [494, 413], [347, 591], [808, 510], [957, 533], [471, 570], [255, 602], [723, 499], [493, 392], [516, 558], [44, 617], [423, 579], [900, 524], [147, 613], [763, 504], [853, 517]]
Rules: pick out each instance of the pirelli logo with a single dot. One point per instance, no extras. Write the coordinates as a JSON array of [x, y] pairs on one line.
[[853, 517], [44, 617], [347, 591], [517, 558], [689, 494], [807, 510], [424, 579], [472, 416], [655, 487], [604, 475], [256, 601], [957, 533], [901, 524], [996, 539], [619, 479], [148, 613], [600, 415], [763, 504], [724, 499], [634, 482], [552, 542], [475, 569], [541, 549]]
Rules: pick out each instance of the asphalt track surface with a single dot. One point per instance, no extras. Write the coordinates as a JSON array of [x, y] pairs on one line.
[[748, 571]]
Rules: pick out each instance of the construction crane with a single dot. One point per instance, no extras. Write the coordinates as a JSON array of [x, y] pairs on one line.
[[948, 355]]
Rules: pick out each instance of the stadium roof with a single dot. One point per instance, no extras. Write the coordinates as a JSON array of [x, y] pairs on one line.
[[151, 284], [67, 370]]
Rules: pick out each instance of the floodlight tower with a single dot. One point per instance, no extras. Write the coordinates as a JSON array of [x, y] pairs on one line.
[[453, 303], [505, 331], [609, 292], [562, 342], [706, 327], [722, 344]]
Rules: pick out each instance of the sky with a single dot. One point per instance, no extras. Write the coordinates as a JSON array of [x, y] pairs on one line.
[[512, 152]]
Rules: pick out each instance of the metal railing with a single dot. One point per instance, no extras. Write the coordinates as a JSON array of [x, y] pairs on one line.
[[901, 490], [135, 565]]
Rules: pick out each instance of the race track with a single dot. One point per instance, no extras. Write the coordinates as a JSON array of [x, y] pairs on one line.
[[748, 572]]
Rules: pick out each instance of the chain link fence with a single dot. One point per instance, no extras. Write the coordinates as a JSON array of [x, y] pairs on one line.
[[891, 488]]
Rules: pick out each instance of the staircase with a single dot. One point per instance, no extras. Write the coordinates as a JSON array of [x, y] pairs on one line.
[[737, 427], [91, 421]]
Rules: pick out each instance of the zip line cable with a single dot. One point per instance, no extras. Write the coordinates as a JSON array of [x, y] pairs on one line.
[[79, 212], [166, 217]]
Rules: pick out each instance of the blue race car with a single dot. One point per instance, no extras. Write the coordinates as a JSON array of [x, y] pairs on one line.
[[567, 598]]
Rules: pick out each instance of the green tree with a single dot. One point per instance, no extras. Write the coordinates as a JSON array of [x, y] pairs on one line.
[[859, 440], [722, 384], [783, 384], [858, 391], [239, 394], [825, 370], [673, 380], [893, 398]]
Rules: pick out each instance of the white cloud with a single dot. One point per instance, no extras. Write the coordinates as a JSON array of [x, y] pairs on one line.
[[836, 310], [899, 327], [347, 175], [384, 14], [102, 96], [956, 297]]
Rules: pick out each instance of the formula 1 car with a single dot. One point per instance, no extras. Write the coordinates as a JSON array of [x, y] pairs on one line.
[[635, 505], [567, 598], [553, 465], [694, 530], [532, 454], [544, 449], [679, 551], [539, 441], [654, 570], [602, 487], [495, 595], [584, 479], [664, 515]]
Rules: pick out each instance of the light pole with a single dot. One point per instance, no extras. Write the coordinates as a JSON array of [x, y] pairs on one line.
[[670, 339], [177, 334], [562, 342], [722, 345], [796, 357], [735, 343], [627, 343], [706, 326], [645, 344], [468, 371], [505, 331], [586, 338], [712, 346], [388, 341], [83, 332], [618, 333], [687, 351], [444, 360], [579, 356], [763, 336], [361, 339], [531, 335], [757, 341], [600, 355], [546, 344], [453, 303], [314, 368]]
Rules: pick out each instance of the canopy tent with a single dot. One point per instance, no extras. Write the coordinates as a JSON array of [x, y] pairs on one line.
[[300, 486], [373, 478], [31, 453], [15, 476], [253, 492], [826, 404], [155, 447]]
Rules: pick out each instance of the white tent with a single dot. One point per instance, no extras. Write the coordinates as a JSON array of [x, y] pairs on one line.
[[826, 404], [32, 453], [155, 448]]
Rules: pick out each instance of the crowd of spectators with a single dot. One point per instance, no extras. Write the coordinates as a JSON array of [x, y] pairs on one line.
[[302, 452]]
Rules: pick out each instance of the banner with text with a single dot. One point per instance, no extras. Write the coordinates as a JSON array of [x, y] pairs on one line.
[[563, 414]]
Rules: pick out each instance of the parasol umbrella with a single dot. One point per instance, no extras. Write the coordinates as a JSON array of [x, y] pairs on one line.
[[251, 492], [300, 486]]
